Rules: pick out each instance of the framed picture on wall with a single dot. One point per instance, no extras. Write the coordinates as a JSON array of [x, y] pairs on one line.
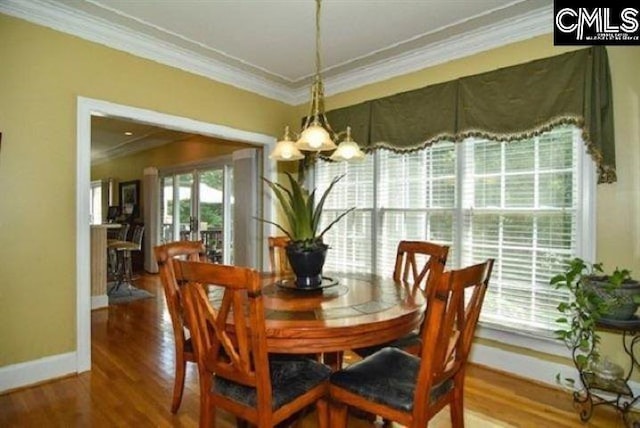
[[129, 197]]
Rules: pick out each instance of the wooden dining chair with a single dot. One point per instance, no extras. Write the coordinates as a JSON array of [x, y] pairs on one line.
[[420, 263], [236, 373], [409, 389], [278, 255], [190, 250]]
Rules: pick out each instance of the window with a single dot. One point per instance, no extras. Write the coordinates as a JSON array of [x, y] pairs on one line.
[[95, 209], [518, 202]]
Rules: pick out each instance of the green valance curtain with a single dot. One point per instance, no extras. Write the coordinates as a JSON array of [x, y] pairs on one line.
[[507, 104]]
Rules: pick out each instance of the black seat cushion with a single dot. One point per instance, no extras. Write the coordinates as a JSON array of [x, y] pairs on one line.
[[290, 378], [387, 377], [188, 345], [410, 339]]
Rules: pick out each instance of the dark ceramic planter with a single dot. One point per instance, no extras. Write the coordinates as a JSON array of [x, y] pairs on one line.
[[307, 265], [625, 306]]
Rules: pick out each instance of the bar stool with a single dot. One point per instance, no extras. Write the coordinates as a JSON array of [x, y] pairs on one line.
[[114, 236], [123, 251]]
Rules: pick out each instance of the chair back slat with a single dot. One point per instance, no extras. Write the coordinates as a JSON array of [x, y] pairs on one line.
[[419, 262], [450, 324], [190, 250], [240, 355], [184, 351], [278, 255], [476, 281]]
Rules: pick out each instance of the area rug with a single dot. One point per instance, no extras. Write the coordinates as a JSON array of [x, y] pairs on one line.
[[125, 293]]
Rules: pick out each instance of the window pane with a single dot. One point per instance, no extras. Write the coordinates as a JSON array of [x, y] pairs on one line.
[[517, 156], [349, 242], [521, 209], [487, 158], [519, 191], [556, 190], [350, 239], [487, 192]]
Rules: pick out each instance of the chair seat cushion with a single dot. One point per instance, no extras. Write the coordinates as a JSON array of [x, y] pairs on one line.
[[290, 378], [406, 341], [387, 377], [188, 345]]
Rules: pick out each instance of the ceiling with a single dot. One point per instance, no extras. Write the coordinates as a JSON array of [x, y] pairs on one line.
[[114, 137], [268, 46]]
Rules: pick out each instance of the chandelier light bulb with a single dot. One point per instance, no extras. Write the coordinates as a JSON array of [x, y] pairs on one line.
[[286, 153], [286, 149], [315, 138], [345, 151]]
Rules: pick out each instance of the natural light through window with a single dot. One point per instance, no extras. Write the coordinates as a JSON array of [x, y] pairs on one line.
[[518, 202]]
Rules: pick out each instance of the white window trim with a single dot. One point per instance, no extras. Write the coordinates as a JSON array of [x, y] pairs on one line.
[[585, 245]]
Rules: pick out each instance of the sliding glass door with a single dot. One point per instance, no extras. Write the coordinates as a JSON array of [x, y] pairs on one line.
[[203, 210]]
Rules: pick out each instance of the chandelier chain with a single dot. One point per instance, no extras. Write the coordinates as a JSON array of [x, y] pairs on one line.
[[318, 59]]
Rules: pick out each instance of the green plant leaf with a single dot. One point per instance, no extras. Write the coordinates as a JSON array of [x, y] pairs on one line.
[[286, 232], [302, 230], [336, 220], [581, 361], [284, 204], [323, 198], [298, 206]]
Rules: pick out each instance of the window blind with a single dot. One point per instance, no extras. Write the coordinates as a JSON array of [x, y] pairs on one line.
[[516, 201], [520, 206], [350, 238], [416, 199]]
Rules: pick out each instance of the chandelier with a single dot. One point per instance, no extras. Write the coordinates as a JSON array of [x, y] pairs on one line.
[[317, 135]]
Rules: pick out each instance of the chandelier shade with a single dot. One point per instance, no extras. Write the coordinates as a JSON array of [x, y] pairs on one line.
[[347, 150], [286, 149]]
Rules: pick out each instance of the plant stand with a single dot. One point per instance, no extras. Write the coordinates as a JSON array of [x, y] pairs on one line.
[[617, 393]]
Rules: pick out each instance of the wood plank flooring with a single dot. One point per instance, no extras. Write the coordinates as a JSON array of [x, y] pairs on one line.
[[131, 382]]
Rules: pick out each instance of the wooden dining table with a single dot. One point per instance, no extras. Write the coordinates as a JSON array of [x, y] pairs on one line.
[[351, 311]]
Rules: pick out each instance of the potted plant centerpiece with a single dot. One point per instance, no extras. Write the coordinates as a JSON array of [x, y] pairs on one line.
[[306, 250]]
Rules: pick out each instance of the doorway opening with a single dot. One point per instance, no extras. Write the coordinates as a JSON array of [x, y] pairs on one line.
[[87, 107]]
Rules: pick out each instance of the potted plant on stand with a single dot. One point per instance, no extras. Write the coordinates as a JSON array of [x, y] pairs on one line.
[[306, 250], [596, 299]]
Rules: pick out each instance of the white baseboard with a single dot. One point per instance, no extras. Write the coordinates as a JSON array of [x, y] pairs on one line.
[[529, 367], [30, 372], [98, 302]]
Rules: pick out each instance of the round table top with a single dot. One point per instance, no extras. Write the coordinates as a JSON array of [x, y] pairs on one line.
[[357, 311]]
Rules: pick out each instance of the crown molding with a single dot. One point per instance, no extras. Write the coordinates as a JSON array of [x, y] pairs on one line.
[[525, 26], [68, 20]]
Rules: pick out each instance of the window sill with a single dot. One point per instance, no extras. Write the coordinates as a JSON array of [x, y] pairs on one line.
[[522, 340]]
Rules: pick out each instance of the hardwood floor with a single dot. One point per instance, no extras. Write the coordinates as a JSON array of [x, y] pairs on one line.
[[131, 383]]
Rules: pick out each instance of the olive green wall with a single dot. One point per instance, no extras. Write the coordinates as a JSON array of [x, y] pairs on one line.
[[44, 71], [42, 74]]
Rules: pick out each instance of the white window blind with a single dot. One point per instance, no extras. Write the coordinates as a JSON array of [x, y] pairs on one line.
[[517, 202], [416, 199], [520, 206], [350, 238]]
